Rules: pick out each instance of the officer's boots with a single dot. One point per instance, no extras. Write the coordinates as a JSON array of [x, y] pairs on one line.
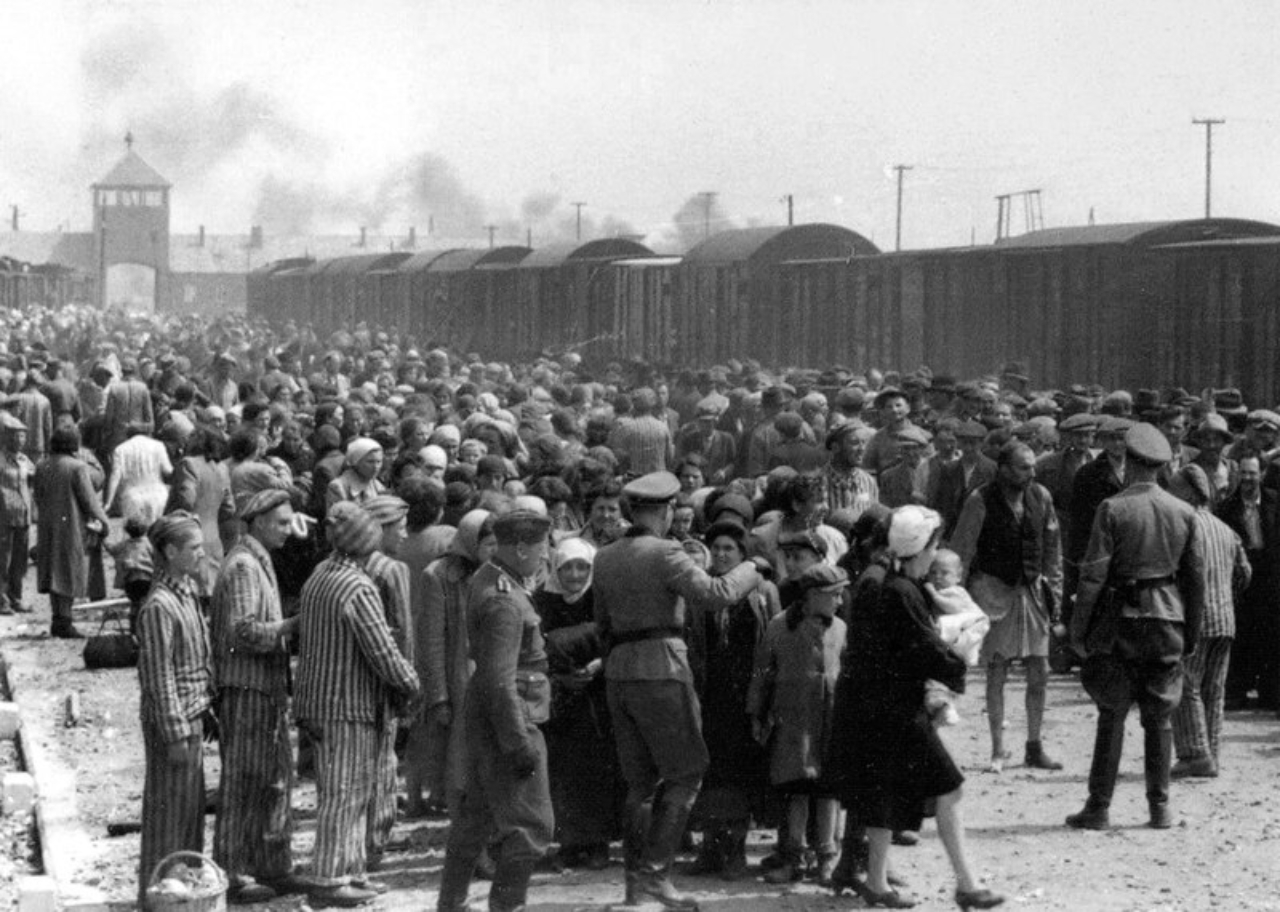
[[670, 816], [634, 840], [1157, 757]]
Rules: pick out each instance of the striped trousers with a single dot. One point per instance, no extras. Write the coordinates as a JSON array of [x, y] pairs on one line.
[[1197, 724], [254, 832], [172, 802], [382, 809], [346, 767]]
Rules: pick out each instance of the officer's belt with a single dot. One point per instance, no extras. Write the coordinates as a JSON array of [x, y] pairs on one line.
[[617, 638]]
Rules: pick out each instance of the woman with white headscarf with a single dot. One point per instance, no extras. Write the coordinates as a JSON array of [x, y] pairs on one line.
[[359, 479], [581, 759], [886, 758]]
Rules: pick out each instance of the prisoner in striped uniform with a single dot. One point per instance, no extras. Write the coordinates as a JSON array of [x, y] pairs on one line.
[[392, 579], [253, 837], [175, 674], [1197, 722], [350, 677]]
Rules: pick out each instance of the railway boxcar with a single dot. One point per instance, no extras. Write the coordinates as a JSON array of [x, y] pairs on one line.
[[731, 300], [553, 295], [404, 298], [632, 310], [464, 290]]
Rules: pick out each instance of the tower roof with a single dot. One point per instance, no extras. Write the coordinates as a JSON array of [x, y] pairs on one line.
[[132, 171]]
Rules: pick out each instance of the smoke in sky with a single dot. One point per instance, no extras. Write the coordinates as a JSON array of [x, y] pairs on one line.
[[690, 224]]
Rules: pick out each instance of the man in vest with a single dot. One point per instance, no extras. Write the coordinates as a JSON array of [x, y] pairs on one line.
[[1008, 538]]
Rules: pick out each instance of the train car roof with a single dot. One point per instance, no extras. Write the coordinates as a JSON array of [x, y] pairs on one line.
[[355, 265], [422, 260], [779, 243], [1140, 234], [601, 249]]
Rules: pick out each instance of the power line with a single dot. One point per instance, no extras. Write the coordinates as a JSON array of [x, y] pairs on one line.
[[579, 206], [897, 234], [708, 197]]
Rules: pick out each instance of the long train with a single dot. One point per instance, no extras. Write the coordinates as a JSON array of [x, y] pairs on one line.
[[1196, 303]]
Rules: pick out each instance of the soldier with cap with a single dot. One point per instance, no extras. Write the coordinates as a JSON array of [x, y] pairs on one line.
[[642, 583], [251, 640], [1137, 613], [506, 801], [16, 474]]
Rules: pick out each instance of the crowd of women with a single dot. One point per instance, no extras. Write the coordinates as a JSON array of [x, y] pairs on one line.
[[839, 487]]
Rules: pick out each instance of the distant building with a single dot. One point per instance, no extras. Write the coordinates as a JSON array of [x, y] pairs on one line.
[[132, 259]]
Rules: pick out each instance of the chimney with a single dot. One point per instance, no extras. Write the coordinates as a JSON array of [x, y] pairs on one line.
[[413, 236], [200, 239], [364, 236], [15, 218], [255, 237]]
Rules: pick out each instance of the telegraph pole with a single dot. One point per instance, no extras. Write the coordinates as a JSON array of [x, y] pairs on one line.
[[708, 197], [1208, 123], [579, 206], [897, 236], [791, 202], [491, 229]]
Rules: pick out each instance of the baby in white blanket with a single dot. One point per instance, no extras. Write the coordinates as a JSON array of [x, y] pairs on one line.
[[961, 624]]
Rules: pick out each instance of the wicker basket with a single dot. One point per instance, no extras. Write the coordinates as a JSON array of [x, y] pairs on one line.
[[213, 900]]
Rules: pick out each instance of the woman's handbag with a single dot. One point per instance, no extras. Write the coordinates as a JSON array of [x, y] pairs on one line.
[[111, 649]]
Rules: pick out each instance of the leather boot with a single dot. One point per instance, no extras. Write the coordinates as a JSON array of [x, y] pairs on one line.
[[670, 815], [1108, 746], [455, 882], [1158, 755], [733, 852], [510, 885], [633, 843]]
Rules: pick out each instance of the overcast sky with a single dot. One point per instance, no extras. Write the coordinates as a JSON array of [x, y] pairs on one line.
[[322, 116]]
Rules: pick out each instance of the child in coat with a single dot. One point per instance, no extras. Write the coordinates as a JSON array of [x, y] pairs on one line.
[[790, 702], [961, 625]]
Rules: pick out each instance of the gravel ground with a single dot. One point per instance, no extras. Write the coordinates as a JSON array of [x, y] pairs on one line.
[[1223, 854]]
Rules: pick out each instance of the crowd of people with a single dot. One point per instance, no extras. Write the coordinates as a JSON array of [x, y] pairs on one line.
[[567, 604]]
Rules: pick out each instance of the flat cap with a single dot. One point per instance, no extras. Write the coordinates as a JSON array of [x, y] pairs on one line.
[[1213, 423], [521, 527], [912, 435], [263, 502], [971, 430], [888, 393], [1144, 442], [850, 398], [709, 407], [1265, 418], [1080, 421], [731, 503], [1114, 424], [823, 577], [654, 488]]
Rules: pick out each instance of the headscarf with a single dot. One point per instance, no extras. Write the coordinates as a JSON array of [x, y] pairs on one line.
[[467, 542], [571, 549], [352, 531], [359, 448], [910, 530]]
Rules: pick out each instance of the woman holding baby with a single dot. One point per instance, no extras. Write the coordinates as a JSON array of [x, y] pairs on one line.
[[887, 760]]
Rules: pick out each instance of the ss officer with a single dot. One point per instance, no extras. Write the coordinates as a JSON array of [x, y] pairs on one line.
[[1137, 611], [642, 582], [506, 801]]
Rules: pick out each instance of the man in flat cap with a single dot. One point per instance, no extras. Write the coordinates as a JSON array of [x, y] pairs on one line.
[[1057, 471], [717, 448], [908, 480], [1137, 613], [506, 802], [251, 639], [642, 583], [961, 477], [1094, 482], [882, 450]]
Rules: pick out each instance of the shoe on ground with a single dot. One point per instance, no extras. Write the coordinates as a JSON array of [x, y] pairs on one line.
[[1090, 818], [659, 888], [906, 837], [250, 892], [1161, 817], [1202, 768], [373, 886], [346, 896], [596, 858], [772, 860], [1036, 758], [289, 884], [68, 632], [785, 874]]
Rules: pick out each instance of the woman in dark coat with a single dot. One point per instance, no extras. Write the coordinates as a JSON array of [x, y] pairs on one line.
[[887, 759], [585, 788], [736, 786], [70, 514]]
